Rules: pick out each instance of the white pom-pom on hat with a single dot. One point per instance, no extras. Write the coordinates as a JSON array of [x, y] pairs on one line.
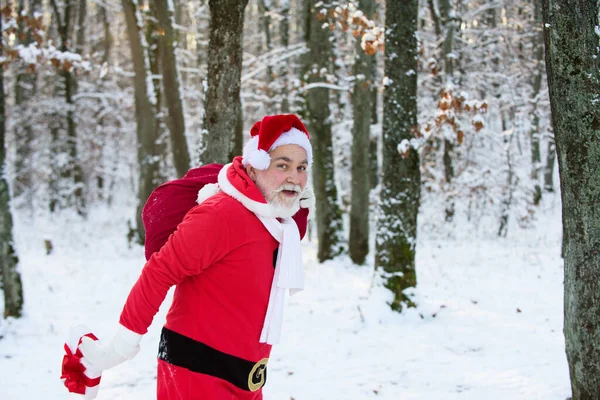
[[254, 156]]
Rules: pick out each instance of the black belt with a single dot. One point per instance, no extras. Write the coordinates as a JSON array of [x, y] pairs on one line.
[[182, 351]]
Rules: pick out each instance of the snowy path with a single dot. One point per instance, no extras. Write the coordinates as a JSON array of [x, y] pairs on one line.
[[488, 325]]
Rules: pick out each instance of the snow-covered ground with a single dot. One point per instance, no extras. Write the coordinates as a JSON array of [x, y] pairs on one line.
[[488, 323]]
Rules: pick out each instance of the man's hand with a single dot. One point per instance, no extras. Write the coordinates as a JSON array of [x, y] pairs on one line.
[[307, 200], [99, 355]]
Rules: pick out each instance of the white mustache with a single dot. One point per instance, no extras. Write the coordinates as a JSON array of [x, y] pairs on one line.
[[290, 187]]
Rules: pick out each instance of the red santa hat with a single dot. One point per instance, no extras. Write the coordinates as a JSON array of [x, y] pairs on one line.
[[274, 131]]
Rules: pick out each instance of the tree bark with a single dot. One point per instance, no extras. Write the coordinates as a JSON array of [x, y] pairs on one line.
[[264, 9], [507, 196], [448, 26], [145, 101], [69, 171], [172, 87], [534, 133], [284, 31], [25, 90], [449, 22], [10, 277], [238, 136], [573, 65], [318, 118], [549, 167], [108, 41], [401, 182], [81, 17], [358, 242], [222, 102]]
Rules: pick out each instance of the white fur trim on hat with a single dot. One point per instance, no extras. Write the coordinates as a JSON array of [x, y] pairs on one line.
[[261, 160], [297, 137]]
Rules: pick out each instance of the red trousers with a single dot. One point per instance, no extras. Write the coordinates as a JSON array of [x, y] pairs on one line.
[[177, 383]]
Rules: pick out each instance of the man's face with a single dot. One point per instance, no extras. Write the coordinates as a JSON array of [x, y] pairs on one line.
[[282, 183]]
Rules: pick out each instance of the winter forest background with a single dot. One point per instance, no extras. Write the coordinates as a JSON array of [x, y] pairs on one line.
[[431, 126]]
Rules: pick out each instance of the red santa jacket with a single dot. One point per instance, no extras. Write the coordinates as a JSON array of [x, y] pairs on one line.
[[221, 259]]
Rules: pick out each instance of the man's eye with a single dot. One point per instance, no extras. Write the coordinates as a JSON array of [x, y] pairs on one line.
[[302, 168], [282, 166]]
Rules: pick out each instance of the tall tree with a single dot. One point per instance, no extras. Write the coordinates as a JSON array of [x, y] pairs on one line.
[[222, 102], [448, 23], [401, 181], [148, 153], [549, 167], [70, 191], [573, 69], [10, 277], [81, 27], [25, 91], [104, 46], [284, 33], [317, 64], [534, 133], [265, 17], [172, 85], [358, 242]]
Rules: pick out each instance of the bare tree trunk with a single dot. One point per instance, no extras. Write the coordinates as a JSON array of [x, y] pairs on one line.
[[265, 9], [153, 35], [270, 105], [401, 182], [572, 65], [108, 41], [81, 17], [449, 175], [446, 25], [70, 171], [172, 87], [284, 31], [9, 277], [374, 159], [534, 134], [506, 203], [358, 242], [103, 48], [238, 142], [318, 117], [25, 90], [549, 167], [222, 102], [200, 16], [145, 102]]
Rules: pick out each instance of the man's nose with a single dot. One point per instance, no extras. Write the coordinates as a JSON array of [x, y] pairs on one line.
[[293, 177]]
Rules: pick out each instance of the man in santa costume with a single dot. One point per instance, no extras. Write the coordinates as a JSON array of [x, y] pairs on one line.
[[232, 259]]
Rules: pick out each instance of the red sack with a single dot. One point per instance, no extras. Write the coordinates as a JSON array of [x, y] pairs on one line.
[[167, 205]]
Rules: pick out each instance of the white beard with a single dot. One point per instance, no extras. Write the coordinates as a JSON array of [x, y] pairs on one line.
[[281, 208], [284, 211]]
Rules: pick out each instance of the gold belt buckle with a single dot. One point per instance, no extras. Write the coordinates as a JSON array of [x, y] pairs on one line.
[[256, 379]]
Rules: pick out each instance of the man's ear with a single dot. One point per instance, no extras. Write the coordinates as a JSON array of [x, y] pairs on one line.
[[251, 172]]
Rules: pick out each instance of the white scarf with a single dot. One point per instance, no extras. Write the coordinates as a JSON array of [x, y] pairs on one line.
[[289, 271], [289, 274]]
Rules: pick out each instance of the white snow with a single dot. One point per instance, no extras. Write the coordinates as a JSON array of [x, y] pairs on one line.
[[488, 323]]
